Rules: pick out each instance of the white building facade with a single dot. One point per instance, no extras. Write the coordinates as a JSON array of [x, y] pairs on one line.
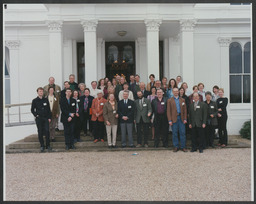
[[208, 43]]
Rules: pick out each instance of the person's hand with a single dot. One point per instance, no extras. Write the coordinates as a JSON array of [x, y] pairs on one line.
[[57, 116], [149, 114], [108, 123], [170, 123], [72, 115], [116, 115], [219, 109], [124, 117], [69, 119], [134, 121], [203, 125], [219, 115], [190, 126], [49, 120], [97, 114], [212, 115], [185, 122], [77, 114]]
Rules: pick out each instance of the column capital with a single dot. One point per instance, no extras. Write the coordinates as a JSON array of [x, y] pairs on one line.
[[153, 24], [224, 41], [187, 24], [54, 25], [12, 44], [89, 25]]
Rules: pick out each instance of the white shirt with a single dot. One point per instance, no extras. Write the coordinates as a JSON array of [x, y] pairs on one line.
[[94, 92], [50, 99], [202, 94], [130, 96]]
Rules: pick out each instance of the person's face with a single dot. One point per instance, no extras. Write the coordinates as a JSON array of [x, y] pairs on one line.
[[164, 80], [159, 93], [142, 86], [215, 90], [196, 97], [106, 79], [102, 82], [178, 79], [67, 85], [201, 87], [131, 78], [182, 92], [118, 78], [99, 95], [122, 80], [208, 97], [51, 91], [175, 92], [71, 79], [153, 91], [221, 93], [75, 94], [158, 84], [126, 87], [152, 78], [94, 85], [40, 92], [68, 93], [86, 93], [82, 88], [185, 86], [137, 78], [111, 97], [109, 83], [139, 94], [172, 83], [51, 81], [114, 82], [125, 95], [195, 90]]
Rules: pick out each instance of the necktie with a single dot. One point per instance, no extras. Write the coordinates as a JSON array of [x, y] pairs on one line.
[[68, 101], [85, 104], [195, 104], [141, 103]]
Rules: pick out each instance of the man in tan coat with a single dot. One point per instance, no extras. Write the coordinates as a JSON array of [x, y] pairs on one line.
[[177, 117]]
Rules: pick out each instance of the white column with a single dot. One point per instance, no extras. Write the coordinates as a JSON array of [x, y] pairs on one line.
[[224, 63], [187, 50], [56, 50], [90, 50], [13, 46], [166, 58], [153, 46], [174, 57], [141, 58], [101, 58]]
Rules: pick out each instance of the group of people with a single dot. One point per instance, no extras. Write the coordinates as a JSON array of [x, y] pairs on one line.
[[110, 105]]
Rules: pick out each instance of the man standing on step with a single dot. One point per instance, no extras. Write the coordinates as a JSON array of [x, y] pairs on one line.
[[40, 108], [143, 111], [68, 110], [177, 117], [197, 121]]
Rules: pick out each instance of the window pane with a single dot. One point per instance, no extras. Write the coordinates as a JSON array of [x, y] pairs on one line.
[[235, 89], [6, 70], [112, 54], [246, 89], [127, 54], [7, 91], [247, 57], [235, 58]]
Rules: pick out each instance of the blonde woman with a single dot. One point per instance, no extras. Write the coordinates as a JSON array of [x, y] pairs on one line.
[[81, 87]]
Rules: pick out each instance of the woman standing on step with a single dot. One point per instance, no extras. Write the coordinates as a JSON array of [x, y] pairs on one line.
[[77, 122], [111, 119], [55, 109]]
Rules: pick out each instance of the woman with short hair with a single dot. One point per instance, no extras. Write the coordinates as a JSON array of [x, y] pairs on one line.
[[81, 87], [151, 98]]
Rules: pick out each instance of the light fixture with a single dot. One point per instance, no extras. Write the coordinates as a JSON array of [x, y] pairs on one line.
[[121, 33]]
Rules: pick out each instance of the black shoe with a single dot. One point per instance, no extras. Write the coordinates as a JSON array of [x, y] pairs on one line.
[[201, 151], [123, 146], [193, 150], [42, 149], [57, 129], [114, 146], [110, 146], [53, 140], [212, 146], [72, 147], [155, 146], [67, 147], [79, 140], [49, 149], [133, 146]]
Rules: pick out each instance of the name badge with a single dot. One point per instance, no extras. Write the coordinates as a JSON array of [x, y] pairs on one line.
[[101, 104], [183, 103], [55, 99], [162, 103], [114, 111], [58, 91], [221, 101], [78, 100], [73, 104], [212, 106], [44, 104], [129, 106], [197, 106], [144, 105]]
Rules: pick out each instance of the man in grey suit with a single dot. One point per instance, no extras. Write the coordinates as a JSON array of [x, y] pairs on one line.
[[142, 113], [197, 121]]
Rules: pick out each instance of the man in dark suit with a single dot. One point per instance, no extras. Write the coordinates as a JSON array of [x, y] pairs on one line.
[[145, 93], [84, 110], [132, 83], [68, 110], [126, 116], [143, 111], [72, 83], [63, 92], [159, 109], [197, 121]]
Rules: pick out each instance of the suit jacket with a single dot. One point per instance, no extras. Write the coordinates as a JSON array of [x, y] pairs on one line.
[[109, 114], [149, 86], [119, 87], [142, 112], [145, 94], [55, 107], [154, 106], [172, 113], [212, 109], [81, 106], [62, 94], [66, 109], [191, 98], [56, 92], [126, 110], [199, 116], [97, 107], [132, 87]]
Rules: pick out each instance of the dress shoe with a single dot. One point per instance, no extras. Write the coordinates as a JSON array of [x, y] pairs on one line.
[[184, 150], [201, 151], [72, 147], [146, 145], [102, 140], [155, 146], [165, 146], [114, 146], [175, 149], [193, 150], [79, 140], [212, 146], [49, 149], [123, 146], [138, 145], [67, 147], [42, 149], [53, 140], [132, 146], [96, 140], [223, 145], [57, 129]]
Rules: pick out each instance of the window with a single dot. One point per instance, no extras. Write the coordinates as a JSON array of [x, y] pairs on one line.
[[239, 69], [7, 77]]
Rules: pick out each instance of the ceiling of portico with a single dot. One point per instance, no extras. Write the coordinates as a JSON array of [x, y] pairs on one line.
[[108, 30]]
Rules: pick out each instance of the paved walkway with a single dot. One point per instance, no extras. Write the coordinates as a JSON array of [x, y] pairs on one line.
[[217, 174]]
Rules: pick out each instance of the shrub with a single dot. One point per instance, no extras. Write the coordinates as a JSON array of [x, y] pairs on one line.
[[245, 131]]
